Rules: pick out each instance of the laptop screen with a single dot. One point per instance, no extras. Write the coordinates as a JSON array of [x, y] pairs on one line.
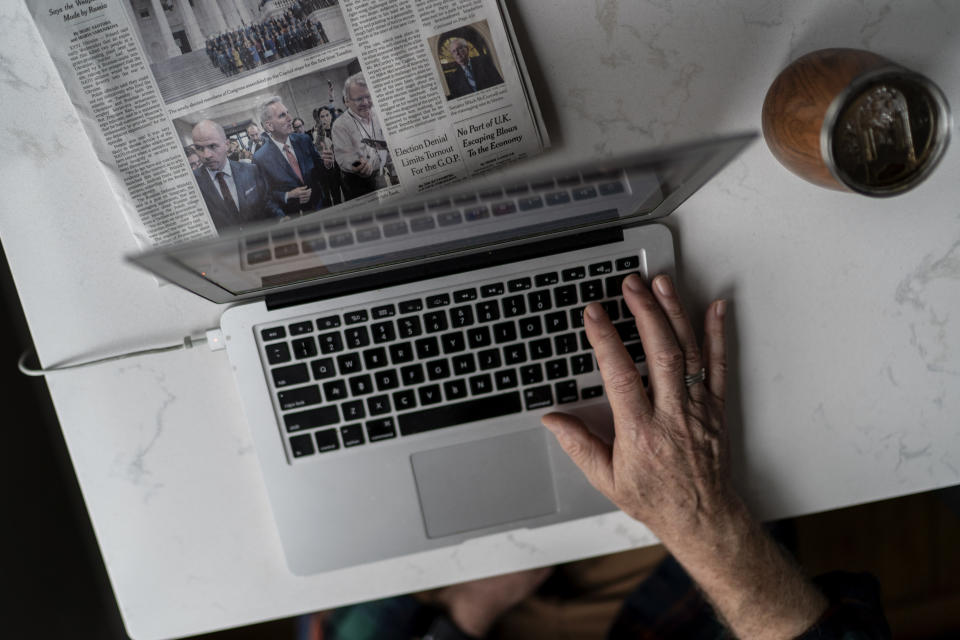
[[495, 211]]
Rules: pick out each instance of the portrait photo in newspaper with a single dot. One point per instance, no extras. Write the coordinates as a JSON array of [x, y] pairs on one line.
[[255, 160], [467, 60], [195, 46]]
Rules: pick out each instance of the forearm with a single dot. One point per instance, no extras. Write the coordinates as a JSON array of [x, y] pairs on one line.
[[755, 588]]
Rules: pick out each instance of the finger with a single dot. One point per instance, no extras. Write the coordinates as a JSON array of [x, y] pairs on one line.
[[621, 379], [588, 452], [715, 348], [664, 357], [666, 295]]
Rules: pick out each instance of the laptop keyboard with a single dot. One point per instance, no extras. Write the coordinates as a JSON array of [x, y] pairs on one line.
[[444, 359]]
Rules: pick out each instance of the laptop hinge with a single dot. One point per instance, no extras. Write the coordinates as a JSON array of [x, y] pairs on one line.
[[449, 266]]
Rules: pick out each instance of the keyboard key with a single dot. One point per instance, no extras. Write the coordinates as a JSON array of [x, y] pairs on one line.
[[383, 311], [547, 279], [565, 296], [612, 309], [319, 417], [383, 332], [465, 295], [465, 198], [478, 337], [290, 375], [584, 193], [302, 445], [405, 399], [349, 363], [481, 384], [378, 405], [505, 332], [529, 203], [531, 374], [422, 224], [452, 414], [411, 306], [352, 435], [566, 343], [304, 348], [438, 369], [614, 285], [488, 311], [387, 380], [382, 429], [591, 392], [575, 273], [568, 181], [627, 330], [556, 369], [330, 322], [517, 188], [375, 358], [353, 317], [401, 352], [611, 188], [429, 394], [273, 333], [300, 328], [449, 218], [576, 318], [557, 197], [476, 213], [504, 208], [341, 239], [490, 290], [301, 397], [394, 229], [591, 290], [531, 327], [539, 300], [453, 342], [353, 410], [489, 359], [286, 250], [412, 374], [335, 390], [461, 316], [601, 268], [506, 379], [540, 349], [515, 354], [537, 397], [581, 364], [387, 214], [440, 300], [636, 352], [330, 342], [360, 385], [427, 348], [555, 322], [278, 352], [520, 284], [464, 364], [628, 263], [409, 327], [435, 321], [368, 235], [566, 391], [438, 203], [455, 390], [513, 306], [323, 368]]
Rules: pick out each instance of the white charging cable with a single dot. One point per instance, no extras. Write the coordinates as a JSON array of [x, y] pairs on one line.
[[213, 338]]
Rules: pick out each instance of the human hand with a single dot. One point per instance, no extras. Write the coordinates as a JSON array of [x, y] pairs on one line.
[[327, 156], [302, 194], [363, 167], [668, 465], [474, 606]]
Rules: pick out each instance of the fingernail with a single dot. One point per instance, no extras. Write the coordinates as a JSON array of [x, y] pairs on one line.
[[594, 311], [664, 286], [721, 308], [633, 282]]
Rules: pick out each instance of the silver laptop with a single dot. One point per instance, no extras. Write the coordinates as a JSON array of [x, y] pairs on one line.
[[394, 359]]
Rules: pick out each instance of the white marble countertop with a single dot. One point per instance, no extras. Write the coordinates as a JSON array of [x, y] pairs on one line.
[[845, 310]]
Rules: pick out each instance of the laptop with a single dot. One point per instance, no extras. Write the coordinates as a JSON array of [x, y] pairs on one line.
[[394, 359]]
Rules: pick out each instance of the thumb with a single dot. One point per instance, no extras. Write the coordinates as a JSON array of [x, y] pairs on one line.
[[591, 454]]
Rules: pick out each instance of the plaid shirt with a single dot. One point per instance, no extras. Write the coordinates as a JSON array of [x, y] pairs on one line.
[[665, 605]]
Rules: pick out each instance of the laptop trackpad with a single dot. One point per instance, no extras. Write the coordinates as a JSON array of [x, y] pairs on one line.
[[484, 483]]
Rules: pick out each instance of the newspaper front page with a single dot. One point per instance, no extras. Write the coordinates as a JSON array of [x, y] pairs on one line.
[[209, 115]]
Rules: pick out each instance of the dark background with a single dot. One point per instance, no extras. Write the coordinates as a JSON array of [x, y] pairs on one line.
[[57, 586]]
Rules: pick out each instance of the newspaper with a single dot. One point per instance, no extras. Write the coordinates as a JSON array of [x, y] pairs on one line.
[[210, 115]]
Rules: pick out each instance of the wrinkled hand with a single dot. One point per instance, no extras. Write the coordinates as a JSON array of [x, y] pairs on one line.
[[474, 606], [668, 465]]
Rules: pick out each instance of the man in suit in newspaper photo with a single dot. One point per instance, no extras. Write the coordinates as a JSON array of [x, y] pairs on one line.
[[471, 74], [236, 193], [290, 162]]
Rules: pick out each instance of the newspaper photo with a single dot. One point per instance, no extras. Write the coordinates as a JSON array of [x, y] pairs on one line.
[[213, 115]]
